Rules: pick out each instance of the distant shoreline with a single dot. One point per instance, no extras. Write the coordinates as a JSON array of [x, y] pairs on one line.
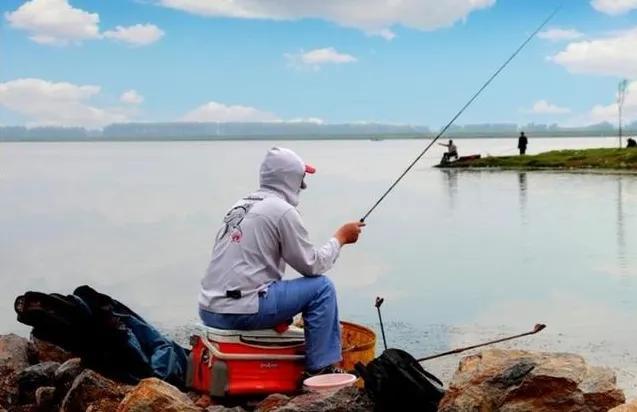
[[250, 131], [375, 138]]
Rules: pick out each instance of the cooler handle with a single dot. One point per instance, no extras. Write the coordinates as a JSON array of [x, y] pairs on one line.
[[242, 356]]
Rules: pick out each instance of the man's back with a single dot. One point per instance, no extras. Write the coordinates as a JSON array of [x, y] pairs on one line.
[[246, 254], [259, 234]]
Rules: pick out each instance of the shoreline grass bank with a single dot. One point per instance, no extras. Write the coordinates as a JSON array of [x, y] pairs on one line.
[[597, 159]]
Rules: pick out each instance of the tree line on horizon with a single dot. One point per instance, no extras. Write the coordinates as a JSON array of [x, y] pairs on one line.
[[282, 130]]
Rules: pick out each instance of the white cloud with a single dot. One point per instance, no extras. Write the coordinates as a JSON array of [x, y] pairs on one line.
[[614, 7], [131, 97], [544, 107], [59, 104], [312, 120], [317, 57], [609, 113], [54, 22], [367, 15], [137, 35], [558, 34], [326, 55], [384, 33], [614, 55], [218, 112]]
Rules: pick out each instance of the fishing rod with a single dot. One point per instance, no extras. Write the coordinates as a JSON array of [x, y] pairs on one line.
[[538, 327], [475, 96], [379, 301]]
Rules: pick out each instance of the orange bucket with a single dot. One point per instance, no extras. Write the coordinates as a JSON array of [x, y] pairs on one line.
[[359, 345]]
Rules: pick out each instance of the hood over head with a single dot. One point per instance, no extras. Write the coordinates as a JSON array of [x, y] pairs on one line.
[[282, 171]]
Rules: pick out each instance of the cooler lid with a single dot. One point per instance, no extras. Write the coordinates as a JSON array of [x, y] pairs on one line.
[[293, 333]]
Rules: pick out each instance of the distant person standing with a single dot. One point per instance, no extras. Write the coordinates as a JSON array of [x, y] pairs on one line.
[[522, 143]]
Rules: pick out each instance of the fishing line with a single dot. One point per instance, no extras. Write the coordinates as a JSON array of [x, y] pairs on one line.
[[475, 96]]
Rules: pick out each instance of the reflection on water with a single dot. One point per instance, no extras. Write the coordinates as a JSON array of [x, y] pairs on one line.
[[621, 231], [460, 257], [451, 180], [523, 191]]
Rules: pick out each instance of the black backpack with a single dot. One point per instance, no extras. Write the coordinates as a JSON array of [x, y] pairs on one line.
[[395, 381], [108, 337]]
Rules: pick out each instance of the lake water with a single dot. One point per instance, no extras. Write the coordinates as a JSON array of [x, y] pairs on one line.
[[460, 256]]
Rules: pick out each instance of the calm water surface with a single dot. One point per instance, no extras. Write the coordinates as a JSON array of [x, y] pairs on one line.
[[459, 256]]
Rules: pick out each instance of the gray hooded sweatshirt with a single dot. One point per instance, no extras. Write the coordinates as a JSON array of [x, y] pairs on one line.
[[260, 234]]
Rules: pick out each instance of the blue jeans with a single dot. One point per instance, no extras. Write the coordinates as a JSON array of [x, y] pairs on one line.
[[314, 296]]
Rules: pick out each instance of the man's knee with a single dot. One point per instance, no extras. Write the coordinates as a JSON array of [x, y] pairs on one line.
[[325, 285]]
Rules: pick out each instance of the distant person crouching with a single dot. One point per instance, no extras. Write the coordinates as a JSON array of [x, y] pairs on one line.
[[631, 143], [452, 152], [522, 143]]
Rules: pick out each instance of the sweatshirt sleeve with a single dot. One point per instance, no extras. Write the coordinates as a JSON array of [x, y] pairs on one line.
[[298, 251]]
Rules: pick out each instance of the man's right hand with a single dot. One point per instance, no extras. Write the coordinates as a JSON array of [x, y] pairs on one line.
[[348, 233]]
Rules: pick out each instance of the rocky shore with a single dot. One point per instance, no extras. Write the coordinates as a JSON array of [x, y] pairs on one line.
[[36, 376]]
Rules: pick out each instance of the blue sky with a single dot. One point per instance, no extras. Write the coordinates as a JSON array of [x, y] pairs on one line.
[[92, 62]]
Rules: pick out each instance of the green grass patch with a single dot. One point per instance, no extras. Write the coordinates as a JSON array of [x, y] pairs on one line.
[[618, 159]]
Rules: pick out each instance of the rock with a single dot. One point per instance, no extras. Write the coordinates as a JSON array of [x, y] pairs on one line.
[[91, 389], [600, 390], [349, 399], [627, 407], [13, 352], [153, 394], [517, 381], [103, 405], [14, 358], [272, 402], [194, 396], [66, 374], [43, 351], [221, 408], [25, 408], [45, 398], [32, 378], [203, 401]]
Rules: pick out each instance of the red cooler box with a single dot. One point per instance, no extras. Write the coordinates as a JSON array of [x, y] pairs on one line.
[[233, 362]]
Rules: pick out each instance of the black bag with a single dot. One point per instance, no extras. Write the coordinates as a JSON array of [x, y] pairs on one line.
[[396, 382], [109, 337], [58, 319]]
